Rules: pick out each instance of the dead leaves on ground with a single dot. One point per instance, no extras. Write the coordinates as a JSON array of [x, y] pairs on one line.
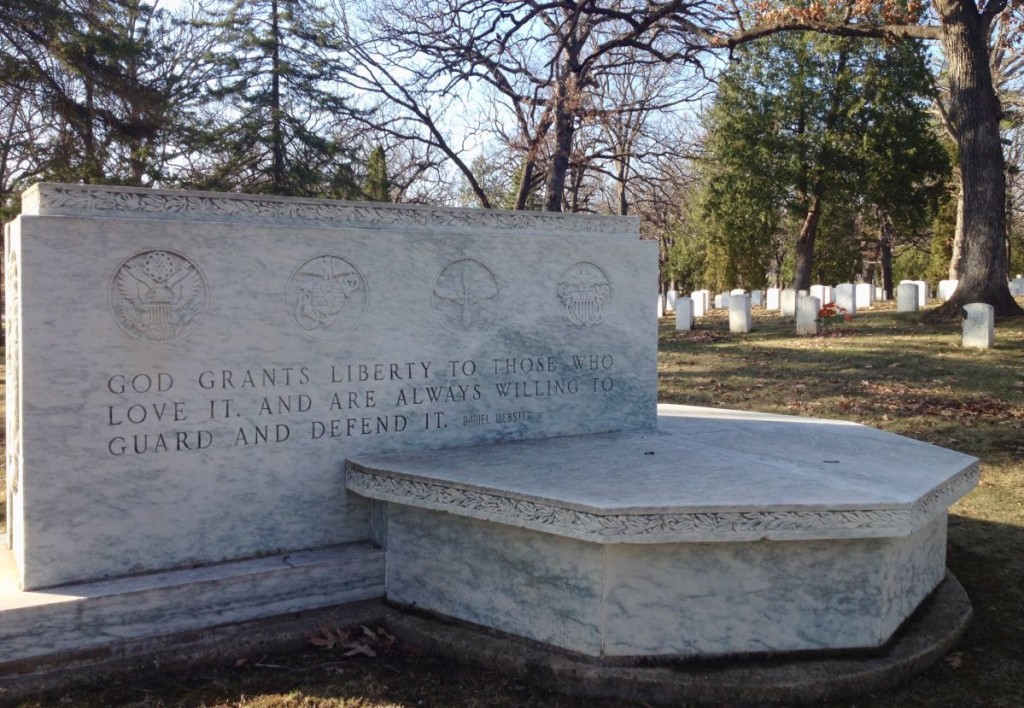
[[891, 399], [353, 641]]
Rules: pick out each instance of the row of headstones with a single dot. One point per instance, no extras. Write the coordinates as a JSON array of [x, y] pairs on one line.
[[847, 296], [911, 296], [805, 306]]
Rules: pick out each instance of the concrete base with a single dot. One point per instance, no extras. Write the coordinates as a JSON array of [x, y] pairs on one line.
[[103, 617]]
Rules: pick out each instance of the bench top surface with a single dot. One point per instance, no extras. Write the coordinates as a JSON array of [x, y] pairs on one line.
[[704, 474]]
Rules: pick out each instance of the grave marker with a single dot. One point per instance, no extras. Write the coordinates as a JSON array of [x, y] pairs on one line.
[[907, 297], [979, 325]]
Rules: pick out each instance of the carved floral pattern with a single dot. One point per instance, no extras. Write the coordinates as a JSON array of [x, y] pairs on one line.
[[654, 527]]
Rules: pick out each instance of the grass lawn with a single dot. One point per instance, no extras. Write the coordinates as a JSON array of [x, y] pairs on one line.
[[892, 371]]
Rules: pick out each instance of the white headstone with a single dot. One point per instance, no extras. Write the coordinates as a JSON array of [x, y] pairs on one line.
[[740, 319], [701, 302], [906, 297], [661, 306], [787, 302], [807, 320], [946, 289], [757, 298], [864, 295], [188, 371], [738, 291], [979, 325], [880, 294], [684, 314], [821, 292], [1017, 286], [772, 299], [922, 293], [846, 298], [670, 300]]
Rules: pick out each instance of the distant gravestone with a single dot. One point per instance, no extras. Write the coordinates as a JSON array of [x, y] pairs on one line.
[[738, 291], [772, 299], [880, 294], [757, 298], [979, 325], [807, 319], [922, 292], [701, 302], [846, 298], [684, 314], [670, 300], [864, 295], [787, 302], [906, 297], [661, 306], [1017, 287], [947, 288], [740, 319], [822, 292]]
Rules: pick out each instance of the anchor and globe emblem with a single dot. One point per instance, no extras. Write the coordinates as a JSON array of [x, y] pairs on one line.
[[158, 296], [327, 297]]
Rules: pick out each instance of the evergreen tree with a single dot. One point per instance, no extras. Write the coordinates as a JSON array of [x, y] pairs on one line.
[[377, 187], [801, 120], [278, 133], [80, 65]]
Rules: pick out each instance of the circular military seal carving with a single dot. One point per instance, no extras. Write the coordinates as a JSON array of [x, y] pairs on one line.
[[327, 297], [583, 291], [158, 296], [465, 296]]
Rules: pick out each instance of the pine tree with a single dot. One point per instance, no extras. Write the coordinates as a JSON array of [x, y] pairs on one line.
[[377, 187], [803, 120], [279, 61]]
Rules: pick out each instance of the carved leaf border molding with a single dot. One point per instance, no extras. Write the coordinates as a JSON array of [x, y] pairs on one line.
[[76, 199], [658, 527]]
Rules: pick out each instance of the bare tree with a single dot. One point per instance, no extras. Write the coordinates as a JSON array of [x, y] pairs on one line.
[[540, 57]]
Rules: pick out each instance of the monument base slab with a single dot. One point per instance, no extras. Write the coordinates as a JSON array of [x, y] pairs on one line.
[[722, 533], [102, 615]]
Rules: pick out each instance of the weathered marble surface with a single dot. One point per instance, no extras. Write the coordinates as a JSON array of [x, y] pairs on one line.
[[705, 475], [668, 599], [99, 614], [250, 344], [722, 532]]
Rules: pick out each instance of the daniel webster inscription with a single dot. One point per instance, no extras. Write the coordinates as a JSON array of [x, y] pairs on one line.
[[197, 377]]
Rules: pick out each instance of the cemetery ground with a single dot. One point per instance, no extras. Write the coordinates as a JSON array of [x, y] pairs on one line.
[[898, 372]]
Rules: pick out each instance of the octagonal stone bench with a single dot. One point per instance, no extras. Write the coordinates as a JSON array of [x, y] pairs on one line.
[[720, 533]]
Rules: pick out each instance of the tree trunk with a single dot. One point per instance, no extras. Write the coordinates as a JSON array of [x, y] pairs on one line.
[[885, 255], [975, 115], [565, 124], [956, 261], [525, 182], [805, 242], [621, 177], [276, 130]]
